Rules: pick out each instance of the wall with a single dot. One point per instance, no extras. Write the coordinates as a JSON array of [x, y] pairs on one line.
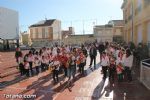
[[56, 30], [78, 39], [103, 34]]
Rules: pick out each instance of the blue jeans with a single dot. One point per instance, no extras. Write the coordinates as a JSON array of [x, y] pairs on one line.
[[71, 71]]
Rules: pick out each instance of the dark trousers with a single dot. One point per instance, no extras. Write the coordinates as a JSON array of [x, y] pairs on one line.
[[120, 77], [128, 73], [81, 68], [46, 66], [65, 70], [111, 73], [93, 58], [71, 71], [104, 68], [43, 67], [37, 69], [31, 69], [55, 75], [27, 72], [21, 68]]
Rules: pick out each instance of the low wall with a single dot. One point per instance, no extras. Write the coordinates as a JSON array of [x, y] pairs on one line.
[[145, 73]]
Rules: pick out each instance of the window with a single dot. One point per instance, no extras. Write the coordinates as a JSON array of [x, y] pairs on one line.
[[43, 32], [139, 3], [36, 33], [139, 7], [50, 32], [146, 3]]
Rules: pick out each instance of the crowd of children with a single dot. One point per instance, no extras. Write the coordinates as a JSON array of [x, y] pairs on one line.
[[117, 61], [56, 59], [114, 59]]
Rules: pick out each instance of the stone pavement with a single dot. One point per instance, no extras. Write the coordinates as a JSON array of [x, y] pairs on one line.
[[89, 87]]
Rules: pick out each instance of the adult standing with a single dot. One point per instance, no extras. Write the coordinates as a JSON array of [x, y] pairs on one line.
[[128, 62], [93, 54], [84, 51], [101, 49], [18, 54]]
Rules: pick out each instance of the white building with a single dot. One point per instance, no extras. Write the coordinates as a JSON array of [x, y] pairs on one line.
[[118, 29], [103, 33], [45, 32], [9, 26]]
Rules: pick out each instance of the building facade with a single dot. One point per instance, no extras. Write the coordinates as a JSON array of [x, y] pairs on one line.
[[79, 39], [103, 33], [24, 38], [118, 29], [137, 21], [9, 27], [65, 33], [45, 32]]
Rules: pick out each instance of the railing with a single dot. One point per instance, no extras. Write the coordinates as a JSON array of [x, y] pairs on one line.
[[145, 73]]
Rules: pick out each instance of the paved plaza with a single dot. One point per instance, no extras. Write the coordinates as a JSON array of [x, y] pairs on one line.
[[88, 87]]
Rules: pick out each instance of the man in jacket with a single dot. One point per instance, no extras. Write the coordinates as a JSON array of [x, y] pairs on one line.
[[93, 54]]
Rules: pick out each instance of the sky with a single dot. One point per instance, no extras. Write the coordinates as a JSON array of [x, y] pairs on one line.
[[80, 14]]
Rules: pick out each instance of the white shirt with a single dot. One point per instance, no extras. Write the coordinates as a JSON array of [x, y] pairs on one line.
[[30, 59], [20, 60], [43, 61], [117, 52], [47, 61], [128, 61], [56, 63], [105, 61], [54, 52], [37, 63], [73, 60], [51, 57], [26, 66]]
